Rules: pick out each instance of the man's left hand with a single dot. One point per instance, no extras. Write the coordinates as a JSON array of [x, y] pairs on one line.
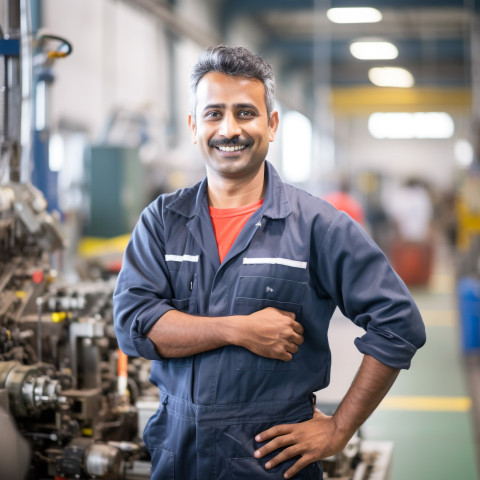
[[311, 440]]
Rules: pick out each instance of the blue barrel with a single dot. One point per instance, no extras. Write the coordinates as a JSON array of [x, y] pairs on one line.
[[468, 290]]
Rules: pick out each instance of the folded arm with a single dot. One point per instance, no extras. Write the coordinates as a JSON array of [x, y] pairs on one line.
[[270, 333]]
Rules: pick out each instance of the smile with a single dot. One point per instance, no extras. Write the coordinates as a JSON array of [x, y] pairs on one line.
[[231, 149]]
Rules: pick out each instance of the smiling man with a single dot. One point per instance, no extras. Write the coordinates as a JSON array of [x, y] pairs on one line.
[[229, 287]]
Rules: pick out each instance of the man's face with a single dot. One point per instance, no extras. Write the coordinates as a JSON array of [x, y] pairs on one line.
[[232, 128]]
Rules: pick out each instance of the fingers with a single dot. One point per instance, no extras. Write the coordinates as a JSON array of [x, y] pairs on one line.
[[298, 328], [291, 348], [283, 437], [296, 338], [296, 467], [284, 455], [284, 312], [273, 432]]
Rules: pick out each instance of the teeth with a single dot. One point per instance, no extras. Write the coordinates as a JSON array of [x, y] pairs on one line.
[[232, 149]]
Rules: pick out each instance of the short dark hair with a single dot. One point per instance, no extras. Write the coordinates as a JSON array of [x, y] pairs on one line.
[[234, 61]]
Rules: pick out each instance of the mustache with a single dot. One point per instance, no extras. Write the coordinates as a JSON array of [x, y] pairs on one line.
[[230, 142]]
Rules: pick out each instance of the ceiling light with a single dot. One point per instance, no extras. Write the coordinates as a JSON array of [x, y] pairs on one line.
[[411, 125], [373, 50], [354, 15], [391, 77]]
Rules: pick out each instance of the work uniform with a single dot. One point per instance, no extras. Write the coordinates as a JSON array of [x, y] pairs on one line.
[[296, 253]]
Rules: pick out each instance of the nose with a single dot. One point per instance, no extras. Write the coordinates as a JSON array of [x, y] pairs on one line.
[[229, 127]]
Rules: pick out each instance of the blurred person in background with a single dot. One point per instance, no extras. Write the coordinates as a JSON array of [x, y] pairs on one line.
[[411, 209], [343, 200], [229, 286]]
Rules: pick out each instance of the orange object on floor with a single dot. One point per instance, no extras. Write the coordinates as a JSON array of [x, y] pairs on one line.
[[413, 262]]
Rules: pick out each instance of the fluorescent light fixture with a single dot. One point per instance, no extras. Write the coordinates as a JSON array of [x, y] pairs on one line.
[[373, 50], [354, 15], [391, 77], [296, 147], [411, 125]]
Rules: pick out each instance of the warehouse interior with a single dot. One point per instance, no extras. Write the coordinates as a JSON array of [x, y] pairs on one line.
[[94, 110]]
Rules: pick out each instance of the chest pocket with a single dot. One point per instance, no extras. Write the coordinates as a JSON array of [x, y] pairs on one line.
[[257, 293], [185, 287]]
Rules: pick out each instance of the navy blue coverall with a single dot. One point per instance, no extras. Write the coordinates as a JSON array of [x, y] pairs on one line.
[[296, 253]]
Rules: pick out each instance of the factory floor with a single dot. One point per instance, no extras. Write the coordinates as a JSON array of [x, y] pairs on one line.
[[431, 413]]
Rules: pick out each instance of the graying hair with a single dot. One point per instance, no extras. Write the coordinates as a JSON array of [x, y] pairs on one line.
[[234, 61]]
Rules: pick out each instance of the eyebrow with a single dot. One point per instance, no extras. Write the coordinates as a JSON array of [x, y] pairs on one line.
[[222, 106]]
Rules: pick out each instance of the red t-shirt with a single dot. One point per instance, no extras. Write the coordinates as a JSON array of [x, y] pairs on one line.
[[227, 224]]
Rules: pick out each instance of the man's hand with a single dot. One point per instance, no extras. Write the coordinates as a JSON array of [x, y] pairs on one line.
[[271, 333], [311, 441], [323, 436]]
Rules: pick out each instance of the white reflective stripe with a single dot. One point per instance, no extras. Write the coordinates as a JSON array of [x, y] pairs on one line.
[[181, 258], [278, 261]]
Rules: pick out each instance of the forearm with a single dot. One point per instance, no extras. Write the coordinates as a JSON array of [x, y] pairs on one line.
[[371, 384], [270, 333], [177, 334]]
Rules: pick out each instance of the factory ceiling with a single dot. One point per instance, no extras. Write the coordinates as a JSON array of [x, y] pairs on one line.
[[433, 37], [434, 40]]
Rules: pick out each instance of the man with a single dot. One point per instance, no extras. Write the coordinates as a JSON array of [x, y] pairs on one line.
[[229, 286]]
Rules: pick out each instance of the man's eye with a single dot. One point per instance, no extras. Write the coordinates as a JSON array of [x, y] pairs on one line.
[[246, 113], [212, 114]]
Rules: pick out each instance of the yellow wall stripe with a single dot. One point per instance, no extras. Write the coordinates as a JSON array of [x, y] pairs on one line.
[[364, 100], [94, 246], [432, 404]]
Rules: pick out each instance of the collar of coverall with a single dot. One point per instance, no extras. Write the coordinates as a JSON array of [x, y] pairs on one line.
[[276, 204]]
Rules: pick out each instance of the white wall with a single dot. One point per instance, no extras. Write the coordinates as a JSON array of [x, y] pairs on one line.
[[431, 160], [116, 62]]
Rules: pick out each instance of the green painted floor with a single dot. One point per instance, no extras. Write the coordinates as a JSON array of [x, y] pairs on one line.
[[428, 413]]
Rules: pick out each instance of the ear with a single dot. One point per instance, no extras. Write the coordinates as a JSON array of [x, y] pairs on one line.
[[193, 128], [272, 125]]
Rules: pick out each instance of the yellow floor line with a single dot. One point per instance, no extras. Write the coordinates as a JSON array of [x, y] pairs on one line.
[[432, 404]]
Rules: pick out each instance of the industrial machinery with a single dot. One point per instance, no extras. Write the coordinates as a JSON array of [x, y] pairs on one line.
[[62, 377], [65, 386]]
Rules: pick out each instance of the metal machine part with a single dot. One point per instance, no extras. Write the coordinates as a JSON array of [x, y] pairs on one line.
[[29, 391], [84, 458], [103, 461]]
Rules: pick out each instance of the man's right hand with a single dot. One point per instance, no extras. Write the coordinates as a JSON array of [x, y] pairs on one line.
[[271, 333]]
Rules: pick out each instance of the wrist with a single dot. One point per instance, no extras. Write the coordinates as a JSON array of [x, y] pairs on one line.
[[343, 431], [233, 330]]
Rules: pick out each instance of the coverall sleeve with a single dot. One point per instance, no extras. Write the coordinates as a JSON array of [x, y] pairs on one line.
[[361, 281], [143, 291]]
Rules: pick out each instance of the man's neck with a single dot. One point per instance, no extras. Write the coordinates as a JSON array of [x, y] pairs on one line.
[[229, 193]]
